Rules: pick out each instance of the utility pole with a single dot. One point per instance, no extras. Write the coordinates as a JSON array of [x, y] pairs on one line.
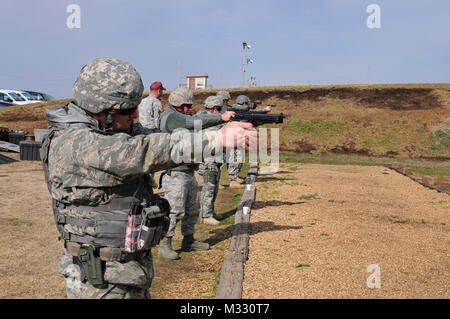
[[244, 45], [178, 73]]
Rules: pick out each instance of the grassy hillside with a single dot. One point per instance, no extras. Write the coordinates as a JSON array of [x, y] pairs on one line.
[[398, 120]]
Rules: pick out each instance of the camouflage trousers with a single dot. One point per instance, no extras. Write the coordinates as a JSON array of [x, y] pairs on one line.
[[234, 163], [211, 179], [181, 190], [124, 280]]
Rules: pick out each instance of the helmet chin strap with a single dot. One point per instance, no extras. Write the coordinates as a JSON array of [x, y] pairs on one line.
[[109, 121]]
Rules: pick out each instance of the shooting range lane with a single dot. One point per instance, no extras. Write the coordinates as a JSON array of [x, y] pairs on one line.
[[315, 229]]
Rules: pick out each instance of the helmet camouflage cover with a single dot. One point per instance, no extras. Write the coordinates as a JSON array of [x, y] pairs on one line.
[[181, 96], [213, 101], [108, 84], [242, 99], [224, 95]]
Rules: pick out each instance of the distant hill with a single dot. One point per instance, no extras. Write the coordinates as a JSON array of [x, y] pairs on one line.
[[402, 120]]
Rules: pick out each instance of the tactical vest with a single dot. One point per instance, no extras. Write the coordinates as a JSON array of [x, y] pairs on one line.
[[133, 220]]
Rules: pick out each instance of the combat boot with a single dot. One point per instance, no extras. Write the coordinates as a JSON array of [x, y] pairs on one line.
[[189, 243], [166, 251], [236, 185], [209, 221]]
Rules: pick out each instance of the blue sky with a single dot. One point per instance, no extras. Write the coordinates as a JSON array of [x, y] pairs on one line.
[[292, 42]]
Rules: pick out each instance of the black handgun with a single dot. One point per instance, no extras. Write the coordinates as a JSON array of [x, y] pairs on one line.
[[252, 105], [258, 118]]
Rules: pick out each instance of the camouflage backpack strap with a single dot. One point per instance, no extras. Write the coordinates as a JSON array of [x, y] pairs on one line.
[[44, 153], [44, 157]]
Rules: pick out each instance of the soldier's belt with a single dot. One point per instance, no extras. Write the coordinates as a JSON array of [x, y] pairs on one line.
[[115, 204], [107, 253], [123, 224]]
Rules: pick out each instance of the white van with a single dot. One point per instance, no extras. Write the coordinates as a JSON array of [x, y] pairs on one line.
[[8, 97]]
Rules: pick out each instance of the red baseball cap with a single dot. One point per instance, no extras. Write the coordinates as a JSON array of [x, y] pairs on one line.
[[156, 85]]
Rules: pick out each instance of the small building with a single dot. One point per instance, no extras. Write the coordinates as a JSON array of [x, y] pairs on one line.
[[195, 82]]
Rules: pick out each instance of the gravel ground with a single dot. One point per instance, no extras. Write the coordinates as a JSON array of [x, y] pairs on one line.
[[316, 229]]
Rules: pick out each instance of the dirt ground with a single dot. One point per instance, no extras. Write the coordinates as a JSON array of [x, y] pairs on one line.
[[316, 232], [28, 234], [30, 249]]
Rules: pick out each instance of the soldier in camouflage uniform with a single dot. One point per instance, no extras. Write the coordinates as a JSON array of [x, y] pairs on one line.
[[226, 98], [243, 104], [210, 169], [150, 108], [96, 173], [233, 161], [180, 185]]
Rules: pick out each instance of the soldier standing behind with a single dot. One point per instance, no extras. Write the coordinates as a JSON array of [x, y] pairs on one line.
[[243, 104], [233, 161], [210, 169], [180, 185], [151, 107]]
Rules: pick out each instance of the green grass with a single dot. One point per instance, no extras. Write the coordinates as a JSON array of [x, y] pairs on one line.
[[237, 195], [439, 143], [332, 159], [426, 168], [316, 127], [431, 171], [308, 197]]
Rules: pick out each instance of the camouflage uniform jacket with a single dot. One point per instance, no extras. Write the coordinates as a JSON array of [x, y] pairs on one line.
[[150, 110], [212, 128], [87, 165], [171, 120]]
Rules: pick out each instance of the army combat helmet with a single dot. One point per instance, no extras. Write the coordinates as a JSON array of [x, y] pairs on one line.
[[181, 96], [224, 95], [213, 102], [108, 84], [242, 99]]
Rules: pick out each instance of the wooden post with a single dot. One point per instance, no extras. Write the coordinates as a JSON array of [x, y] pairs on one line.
[[232, 272]]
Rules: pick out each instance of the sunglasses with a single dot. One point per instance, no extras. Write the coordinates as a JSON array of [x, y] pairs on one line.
[[127, 111]]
